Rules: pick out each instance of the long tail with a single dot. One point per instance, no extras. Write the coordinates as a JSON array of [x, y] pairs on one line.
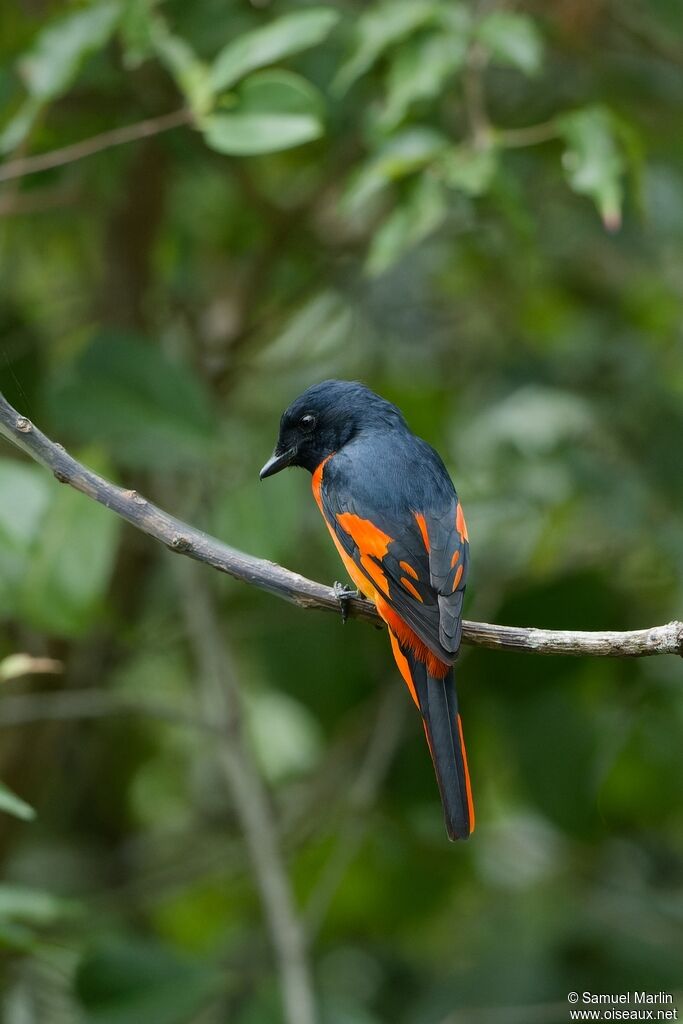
[[438, 703]]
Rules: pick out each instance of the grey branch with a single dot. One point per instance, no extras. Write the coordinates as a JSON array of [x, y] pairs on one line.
[[25, 165], [184, 539], [219, 698], [70, 705]]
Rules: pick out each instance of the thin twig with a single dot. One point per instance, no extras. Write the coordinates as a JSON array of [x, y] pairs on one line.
[[15, 203], [220, 701], [482, 131], [14, 666], [26, 165], [72, 705], [473, 92], [184, 539], [384, 740], [531, 135]]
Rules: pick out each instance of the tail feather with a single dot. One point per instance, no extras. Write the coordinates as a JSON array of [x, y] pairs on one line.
[[438, 704]]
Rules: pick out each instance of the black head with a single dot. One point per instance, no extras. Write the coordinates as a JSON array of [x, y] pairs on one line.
[[324, 419]]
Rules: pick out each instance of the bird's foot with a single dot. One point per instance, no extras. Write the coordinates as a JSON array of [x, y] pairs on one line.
[[344, 594]]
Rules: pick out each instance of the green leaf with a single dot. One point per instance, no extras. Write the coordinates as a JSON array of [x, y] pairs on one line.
[[56, 550], [285, 735], [379, 29], [70, 564], [36, 907], [25, 912], [25, 494], [189, 72], [125, 393], [54, 60], [10, 803], [16, 937], [512, 39], [409, 151], [593, 162], [60, 49], [416, 217], [312, 335], [18, 127], [469, 169], [283, 37], [134, 982], [275, 110], [136, 29], [419, 70]]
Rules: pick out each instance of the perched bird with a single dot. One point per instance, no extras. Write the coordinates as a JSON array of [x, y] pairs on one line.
[[395, 518]]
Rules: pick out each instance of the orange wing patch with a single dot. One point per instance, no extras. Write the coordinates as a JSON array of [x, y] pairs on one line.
[[407, 567], [456, 556], [411, 589], [460, 524], [457, 578], [422, 523], [409, 638], [368, 538], [403, 666], [372, 543], [376, 573]]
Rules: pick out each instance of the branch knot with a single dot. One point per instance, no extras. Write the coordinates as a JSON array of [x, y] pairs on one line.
[[180, 543]]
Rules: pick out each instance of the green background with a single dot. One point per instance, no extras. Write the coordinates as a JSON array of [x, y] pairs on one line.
[[478, 211]]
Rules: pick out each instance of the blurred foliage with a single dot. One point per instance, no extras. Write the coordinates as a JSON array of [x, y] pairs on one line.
[[423, 194]]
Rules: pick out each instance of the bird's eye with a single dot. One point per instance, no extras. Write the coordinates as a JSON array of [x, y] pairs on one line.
[[307, 422]]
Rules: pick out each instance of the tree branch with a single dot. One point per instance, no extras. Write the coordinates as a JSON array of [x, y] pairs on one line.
[[25, 165], [182, 538], [530, 135], [219, 698], [14, 666], [74, 705]]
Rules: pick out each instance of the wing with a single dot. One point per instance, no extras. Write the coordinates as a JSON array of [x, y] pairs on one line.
[[417, 560]]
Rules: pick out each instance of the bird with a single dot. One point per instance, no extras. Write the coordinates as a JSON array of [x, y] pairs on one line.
[[394, 516]]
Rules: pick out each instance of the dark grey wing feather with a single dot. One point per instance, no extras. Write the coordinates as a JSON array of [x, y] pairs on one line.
[[448, 563], [425, 587]]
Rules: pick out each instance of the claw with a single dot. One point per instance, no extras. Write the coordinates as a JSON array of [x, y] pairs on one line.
[[344, 594]]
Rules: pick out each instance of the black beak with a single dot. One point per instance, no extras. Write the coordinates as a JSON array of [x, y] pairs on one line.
[[277, 461]]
